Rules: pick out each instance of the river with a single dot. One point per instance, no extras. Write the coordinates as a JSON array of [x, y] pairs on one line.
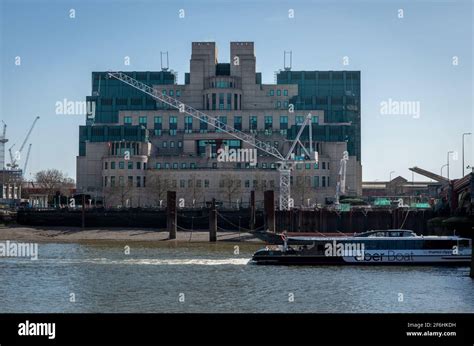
[[165, 277]]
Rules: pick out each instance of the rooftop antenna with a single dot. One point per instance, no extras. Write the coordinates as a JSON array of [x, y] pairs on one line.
[[288, 54], [164, 65]]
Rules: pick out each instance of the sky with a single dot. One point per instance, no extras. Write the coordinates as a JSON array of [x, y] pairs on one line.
[[407, 51]]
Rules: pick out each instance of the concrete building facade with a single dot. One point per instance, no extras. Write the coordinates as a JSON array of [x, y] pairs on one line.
[[134, 149]]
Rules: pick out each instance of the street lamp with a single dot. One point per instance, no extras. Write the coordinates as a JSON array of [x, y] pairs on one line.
[[464, 134], [391, 175], [449, 152], [441, 173]]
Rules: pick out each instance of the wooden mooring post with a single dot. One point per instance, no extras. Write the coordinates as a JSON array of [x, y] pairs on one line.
[[213, 222], [171, 216], [269, 205], [252, 210]]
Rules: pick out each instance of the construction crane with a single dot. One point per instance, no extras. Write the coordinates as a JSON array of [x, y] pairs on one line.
[[285, 163], [26, 160], [13, 159], [341, 184], [3, 140]]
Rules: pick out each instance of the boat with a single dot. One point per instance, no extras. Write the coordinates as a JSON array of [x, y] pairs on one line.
[[377, 247]]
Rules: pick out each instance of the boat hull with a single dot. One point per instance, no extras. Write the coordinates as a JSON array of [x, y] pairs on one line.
[[325, 260]]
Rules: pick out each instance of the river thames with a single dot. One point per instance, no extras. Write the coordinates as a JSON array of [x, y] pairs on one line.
[[166, 277]]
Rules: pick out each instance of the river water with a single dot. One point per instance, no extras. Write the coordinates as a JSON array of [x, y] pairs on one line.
[[100, 277]]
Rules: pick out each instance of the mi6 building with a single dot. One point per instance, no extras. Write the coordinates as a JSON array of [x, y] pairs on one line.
[[133, 149]]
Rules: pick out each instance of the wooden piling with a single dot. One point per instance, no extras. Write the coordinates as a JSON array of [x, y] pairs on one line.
[[252, 210], [213, 222], [171, 216], [269, 206]]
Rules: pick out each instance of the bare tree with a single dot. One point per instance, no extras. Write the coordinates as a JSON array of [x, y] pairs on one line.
[[195, 189], [53, 181], [232, 186], [158, 185]]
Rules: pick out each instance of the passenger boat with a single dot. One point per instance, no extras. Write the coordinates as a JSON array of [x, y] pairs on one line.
[[379, 247]]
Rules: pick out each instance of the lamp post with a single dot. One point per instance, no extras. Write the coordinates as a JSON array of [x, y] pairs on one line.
[[441, 173], [391, 175], [449, 152], [464, 134]]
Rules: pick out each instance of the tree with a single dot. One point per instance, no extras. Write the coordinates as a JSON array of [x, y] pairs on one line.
[[158, 185], [54, 182], [232, 186]]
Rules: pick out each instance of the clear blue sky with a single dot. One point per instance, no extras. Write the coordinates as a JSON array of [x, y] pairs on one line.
[[406, 59]]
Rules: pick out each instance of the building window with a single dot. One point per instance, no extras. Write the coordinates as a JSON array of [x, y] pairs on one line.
[[139, 181], [229, 101], [106, 164], [180, 144], [144, 165], [112, 181], [299, 166], [158, 165], [130, 181], [183, 165], [315, 181], [175, 165], [316, 166], [327, 181], [315, 119], [278, 104], [253, 123], [173, 124], [106, 180], [182, 183], [283, 124], [130, 164], [139, 165], [307, 166], [272, 92], [268, 122], [247, 183], [278, 92], [324, 165], [299, 120], [276, 144], [222, 124], [164, 144], [206, 183], [142, 120], [285, 92], [188, 124], [171, 144], [264, 165], [199, 183], [171, 93], [323, 181], [121, 182], [127, 120], [112, 165], [192, 165], [158, 123], [327, 165], [167, 165], [221, 101], [238, 123]]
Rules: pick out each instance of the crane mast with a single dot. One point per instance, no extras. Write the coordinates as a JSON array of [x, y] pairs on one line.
[[341, 184], [285, 163]]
